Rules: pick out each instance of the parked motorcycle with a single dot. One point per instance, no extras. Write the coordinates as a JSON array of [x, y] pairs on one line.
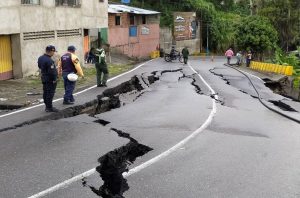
[[177, 56]]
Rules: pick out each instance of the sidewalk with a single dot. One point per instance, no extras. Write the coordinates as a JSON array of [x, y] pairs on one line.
[[17, 93]]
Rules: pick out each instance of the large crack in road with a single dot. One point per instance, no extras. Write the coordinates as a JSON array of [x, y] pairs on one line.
[[271, 85], [115, 162]]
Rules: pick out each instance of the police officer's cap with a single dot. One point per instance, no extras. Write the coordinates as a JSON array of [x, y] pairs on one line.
[[72, 48], [50, 48]]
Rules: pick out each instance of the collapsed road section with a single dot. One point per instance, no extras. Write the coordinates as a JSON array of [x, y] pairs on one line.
[[118, 97], [257, 90], [109, 99], [114, 164]]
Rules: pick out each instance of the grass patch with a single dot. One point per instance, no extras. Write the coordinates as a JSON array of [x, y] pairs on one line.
[[89, 76]]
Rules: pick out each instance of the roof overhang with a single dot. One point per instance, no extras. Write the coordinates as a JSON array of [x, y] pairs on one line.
[[116, 9]]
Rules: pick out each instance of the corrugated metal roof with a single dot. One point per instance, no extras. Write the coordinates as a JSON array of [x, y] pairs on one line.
[[114, 8]]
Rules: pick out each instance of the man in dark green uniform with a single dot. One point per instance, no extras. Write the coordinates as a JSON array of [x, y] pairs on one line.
[[101, 68], [185, 52]]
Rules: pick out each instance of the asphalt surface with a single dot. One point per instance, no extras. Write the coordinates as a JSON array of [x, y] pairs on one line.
[[247, 150]]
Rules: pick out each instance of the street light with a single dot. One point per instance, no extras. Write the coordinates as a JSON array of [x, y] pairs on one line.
[[207, 50]]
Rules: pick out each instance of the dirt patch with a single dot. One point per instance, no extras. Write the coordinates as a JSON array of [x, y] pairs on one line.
[[29, 91]]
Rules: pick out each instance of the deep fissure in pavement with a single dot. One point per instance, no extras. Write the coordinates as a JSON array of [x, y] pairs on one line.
[[102, 122], [10, 107], [109, 99], [197, 87], [282, 105], [106, 101], [114, 164], [220, 75]]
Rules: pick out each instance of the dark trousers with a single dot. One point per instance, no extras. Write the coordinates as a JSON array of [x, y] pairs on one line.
[[102, 73], [48, 93], [248, 61], [185, 59], [69, 88], [228, 59]]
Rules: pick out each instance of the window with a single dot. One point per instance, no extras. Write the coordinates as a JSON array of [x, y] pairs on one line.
[[33, 2], [131, 19], [71, 3], [143, 19], [101, 0], [133, 31], [118, 20]]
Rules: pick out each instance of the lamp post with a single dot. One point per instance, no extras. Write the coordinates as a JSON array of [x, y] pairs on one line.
[[207, 50]]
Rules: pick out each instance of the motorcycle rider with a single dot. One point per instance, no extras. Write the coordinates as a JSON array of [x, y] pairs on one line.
[[173, 53]]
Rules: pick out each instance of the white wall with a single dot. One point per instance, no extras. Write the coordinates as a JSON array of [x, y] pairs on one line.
[[33, 49], [8, 3], [166, 42], [9, 20], [16, 18]]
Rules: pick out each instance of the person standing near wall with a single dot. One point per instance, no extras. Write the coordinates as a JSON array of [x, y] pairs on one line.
[[101, 68], [69, 63], [248, 58], [229, 53], [185, 53], [239, 58], [48, 77]]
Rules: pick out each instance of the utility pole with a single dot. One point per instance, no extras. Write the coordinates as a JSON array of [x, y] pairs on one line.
[[207, 50]]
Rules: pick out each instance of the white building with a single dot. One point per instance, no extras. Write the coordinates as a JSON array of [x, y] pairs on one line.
[[28, 26]]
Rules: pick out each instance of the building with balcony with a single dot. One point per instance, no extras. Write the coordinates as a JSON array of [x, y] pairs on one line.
[[132, 31], [28, 26]]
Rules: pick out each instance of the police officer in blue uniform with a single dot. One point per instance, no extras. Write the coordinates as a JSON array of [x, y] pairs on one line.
[[48, 77]]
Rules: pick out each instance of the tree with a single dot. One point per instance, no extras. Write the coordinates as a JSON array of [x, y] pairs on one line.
[[223, 30], [284, 15], [256, 33]]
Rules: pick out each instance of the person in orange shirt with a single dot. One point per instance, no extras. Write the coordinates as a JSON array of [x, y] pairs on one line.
[[68, 64]]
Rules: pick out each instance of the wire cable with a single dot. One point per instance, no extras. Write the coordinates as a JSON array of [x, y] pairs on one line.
[[260, 99]]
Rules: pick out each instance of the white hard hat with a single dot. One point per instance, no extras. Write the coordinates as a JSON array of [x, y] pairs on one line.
[[72, 77]]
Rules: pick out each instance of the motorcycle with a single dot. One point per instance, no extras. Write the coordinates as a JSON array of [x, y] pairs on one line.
[[177, 56]]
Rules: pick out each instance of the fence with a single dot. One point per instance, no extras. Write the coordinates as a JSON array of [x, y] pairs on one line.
[[274, 68]]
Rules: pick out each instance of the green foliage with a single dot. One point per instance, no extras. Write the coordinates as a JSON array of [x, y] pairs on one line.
[[287, 59], [240, 7], [166, 18], [223, 30], [285, 16], [221, 18], [256, 33]]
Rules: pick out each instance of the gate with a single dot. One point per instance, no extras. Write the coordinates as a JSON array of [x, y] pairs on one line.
[[5, 58]]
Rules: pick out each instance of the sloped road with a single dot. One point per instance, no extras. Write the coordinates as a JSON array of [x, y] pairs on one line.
[[246, 151]]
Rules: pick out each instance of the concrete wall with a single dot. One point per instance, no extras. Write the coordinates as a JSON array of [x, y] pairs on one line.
[[140, 46], [166, 41], [16, 56], [19, 19], [16, 18]]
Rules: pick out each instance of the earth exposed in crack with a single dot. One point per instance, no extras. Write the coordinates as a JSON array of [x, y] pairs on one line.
[[114, 164], [282, 105]]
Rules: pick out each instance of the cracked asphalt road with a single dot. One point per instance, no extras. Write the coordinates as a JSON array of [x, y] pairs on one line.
[[247, 151]]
